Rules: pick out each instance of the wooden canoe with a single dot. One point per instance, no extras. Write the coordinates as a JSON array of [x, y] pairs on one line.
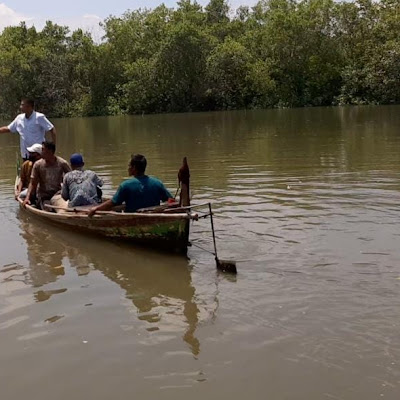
[[167, 230]]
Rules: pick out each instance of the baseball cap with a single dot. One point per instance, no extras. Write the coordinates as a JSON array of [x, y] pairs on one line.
[[35, 148], [76, 159]]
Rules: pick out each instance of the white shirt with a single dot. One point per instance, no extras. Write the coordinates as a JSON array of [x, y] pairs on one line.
[[31, 130]]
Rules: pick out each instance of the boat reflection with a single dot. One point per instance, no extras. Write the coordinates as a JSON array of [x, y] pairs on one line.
[[44, 255], [159, 285]]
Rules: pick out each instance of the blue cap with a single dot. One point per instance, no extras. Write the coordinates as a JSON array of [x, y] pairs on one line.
[[76, 159]]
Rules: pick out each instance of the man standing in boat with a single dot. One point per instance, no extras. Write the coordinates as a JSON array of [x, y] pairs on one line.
[[31, 126], [140, 191], [47, 175], [81, 187]]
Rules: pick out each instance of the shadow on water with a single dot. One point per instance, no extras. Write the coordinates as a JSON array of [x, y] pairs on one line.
[[159, 285]]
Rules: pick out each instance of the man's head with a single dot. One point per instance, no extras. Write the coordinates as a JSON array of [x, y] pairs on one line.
[[137, 165], [27, 105], [48, 150], [35, 152], [76, 161]]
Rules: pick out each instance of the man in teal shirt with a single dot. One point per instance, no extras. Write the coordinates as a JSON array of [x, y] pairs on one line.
[[140, 191]]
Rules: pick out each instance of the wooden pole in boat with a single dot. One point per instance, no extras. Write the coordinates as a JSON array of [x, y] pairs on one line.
[[184, 197], [184, 179], [222, 265]]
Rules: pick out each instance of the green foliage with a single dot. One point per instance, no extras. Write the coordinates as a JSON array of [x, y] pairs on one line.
[[140, 93], [280, 53], [228, 68], [180, 65]]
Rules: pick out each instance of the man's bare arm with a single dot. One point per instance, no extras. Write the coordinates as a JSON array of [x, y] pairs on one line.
[[4, 129], [53, 134], [31, 188], [106, 206]]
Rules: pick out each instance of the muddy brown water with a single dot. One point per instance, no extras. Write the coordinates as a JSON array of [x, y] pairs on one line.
[[307, 202]]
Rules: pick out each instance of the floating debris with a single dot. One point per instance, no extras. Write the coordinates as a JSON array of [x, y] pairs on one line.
[[53, 319]]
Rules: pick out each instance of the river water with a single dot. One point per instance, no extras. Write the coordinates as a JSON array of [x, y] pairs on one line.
[[307, 202]]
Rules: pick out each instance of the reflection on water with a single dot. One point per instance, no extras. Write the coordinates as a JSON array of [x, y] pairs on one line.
[[159, 285], [44, 254]]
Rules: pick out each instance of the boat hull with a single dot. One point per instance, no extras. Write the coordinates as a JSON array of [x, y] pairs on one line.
[[168, 232]]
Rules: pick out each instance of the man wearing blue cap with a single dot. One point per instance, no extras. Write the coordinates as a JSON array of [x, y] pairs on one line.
[[80, 186]]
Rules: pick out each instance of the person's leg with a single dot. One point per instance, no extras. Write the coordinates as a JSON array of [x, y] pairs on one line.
[[42, 202], [58, 202], [34, 199]]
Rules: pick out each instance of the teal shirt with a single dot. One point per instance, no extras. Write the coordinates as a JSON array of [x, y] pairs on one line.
[[141, 192]]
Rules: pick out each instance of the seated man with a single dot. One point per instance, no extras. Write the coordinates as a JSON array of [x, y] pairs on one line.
[[47, 175], [35, 154], [80, 186], [141, 191]]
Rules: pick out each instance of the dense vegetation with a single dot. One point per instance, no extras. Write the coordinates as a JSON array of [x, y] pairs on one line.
[[280, 53]]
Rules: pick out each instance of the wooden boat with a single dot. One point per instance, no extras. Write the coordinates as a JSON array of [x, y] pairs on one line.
[[163, 227]]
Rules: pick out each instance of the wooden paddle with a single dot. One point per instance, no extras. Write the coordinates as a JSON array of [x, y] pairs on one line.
[[77, 210]]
